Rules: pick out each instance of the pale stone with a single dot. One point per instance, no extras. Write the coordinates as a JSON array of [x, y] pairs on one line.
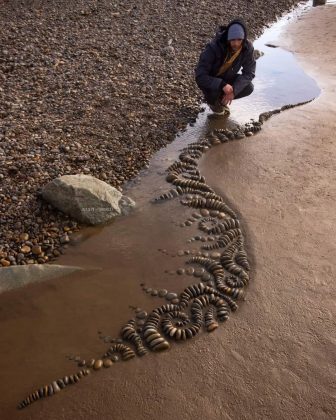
[[86, 198]]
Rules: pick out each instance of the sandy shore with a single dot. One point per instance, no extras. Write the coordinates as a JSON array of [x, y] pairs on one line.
[[275, 359]]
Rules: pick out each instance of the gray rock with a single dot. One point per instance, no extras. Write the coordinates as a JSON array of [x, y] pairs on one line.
[[86, 199], [20, 275], [258, 54], [126, 205]]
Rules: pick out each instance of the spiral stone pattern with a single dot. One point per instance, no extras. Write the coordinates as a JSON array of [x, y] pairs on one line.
[[199, 304]]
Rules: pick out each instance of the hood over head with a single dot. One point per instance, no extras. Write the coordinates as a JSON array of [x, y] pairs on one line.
[[222, 35]]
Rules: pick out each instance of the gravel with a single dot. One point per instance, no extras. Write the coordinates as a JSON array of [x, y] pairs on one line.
[[94, 87]]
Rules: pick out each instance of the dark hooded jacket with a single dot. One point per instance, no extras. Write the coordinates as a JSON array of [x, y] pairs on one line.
[[211, 60]]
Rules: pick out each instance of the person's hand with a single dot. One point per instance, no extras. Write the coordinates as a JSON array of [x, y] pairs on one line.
[[227, 89], [228, 95], [227, 99]]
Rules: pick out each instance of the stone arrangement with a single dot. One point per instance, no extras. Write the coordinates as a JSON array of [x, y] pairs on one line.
[[222, 269]]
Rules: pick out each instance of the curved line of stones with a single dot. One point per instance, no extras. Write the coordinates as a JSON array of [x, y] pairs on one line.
[[206, 305]]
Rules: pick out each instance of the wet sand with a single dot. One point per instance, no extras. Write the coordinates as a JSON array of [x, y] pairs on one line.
[[275, 357]]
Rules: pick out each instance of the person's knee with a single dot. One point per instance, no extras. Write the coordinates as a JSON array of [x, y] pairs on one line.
[[250, 88]]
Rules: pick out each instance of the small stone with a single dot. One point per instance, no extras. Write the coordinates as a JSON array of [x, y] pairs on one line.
[[175, 301], [107, 363], [212, 326], [90, 363], [171, 296], [97, 364], [5, 263], [204, 212], [24, 237], [215, 255], [55, 386], [206, 276], [19, 257], [221, 215], [81, 363], [114, 358], [190, 271], [37, 250], [77, 359], [162, 292], [141, 315], [180, 271], [154, 292], [249, 134], [188, 223], [180, 253], [214, 213], [141, 322], [199, 272], [196, 215], [25, 249], [148, 290]]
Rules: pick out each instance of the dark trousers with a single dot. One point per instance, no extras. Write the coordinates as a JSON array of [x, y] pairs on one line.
[[217, 106]]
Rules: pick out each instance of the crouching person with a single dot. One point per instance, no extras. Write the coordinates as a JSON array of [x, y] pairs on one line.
[[217, 72]]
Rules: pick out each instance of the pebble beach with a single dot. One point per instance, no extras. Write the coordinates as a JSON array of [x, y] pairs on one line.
[[94, 87]]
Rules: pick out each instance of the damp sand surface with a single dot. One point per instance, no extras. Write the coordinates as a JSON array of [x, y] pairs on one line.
[[275, 357]]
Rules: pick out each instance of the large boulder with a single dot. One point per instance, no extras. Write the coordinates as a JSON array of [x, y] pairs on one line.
[[85, 198]]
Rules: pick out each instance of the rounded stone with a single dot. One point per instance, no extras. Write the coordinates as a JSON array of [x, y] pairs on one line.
[[154, 292], [206, 276], [190, 271], [24, 237], [5, 263], [162, 292], [148, 290], [199, 272], [107, 363], [215, 255], [171, 296], [180, 253], [204, 212], [37, 250], [141, 315], [97, 364], [175, 301], [180, 271], [25, 249], [221, 215]]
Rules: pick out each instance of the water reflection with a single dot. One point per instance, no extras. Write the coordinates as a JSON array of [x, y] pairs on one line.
[[279, 80]]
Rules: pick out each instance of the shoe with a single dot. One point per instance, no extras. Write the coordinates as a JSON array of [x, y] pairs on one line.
[[225, 111]]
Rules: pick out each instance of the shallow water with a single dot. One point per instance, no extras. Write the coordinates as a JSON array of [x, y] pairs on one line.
[[43, 323]]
